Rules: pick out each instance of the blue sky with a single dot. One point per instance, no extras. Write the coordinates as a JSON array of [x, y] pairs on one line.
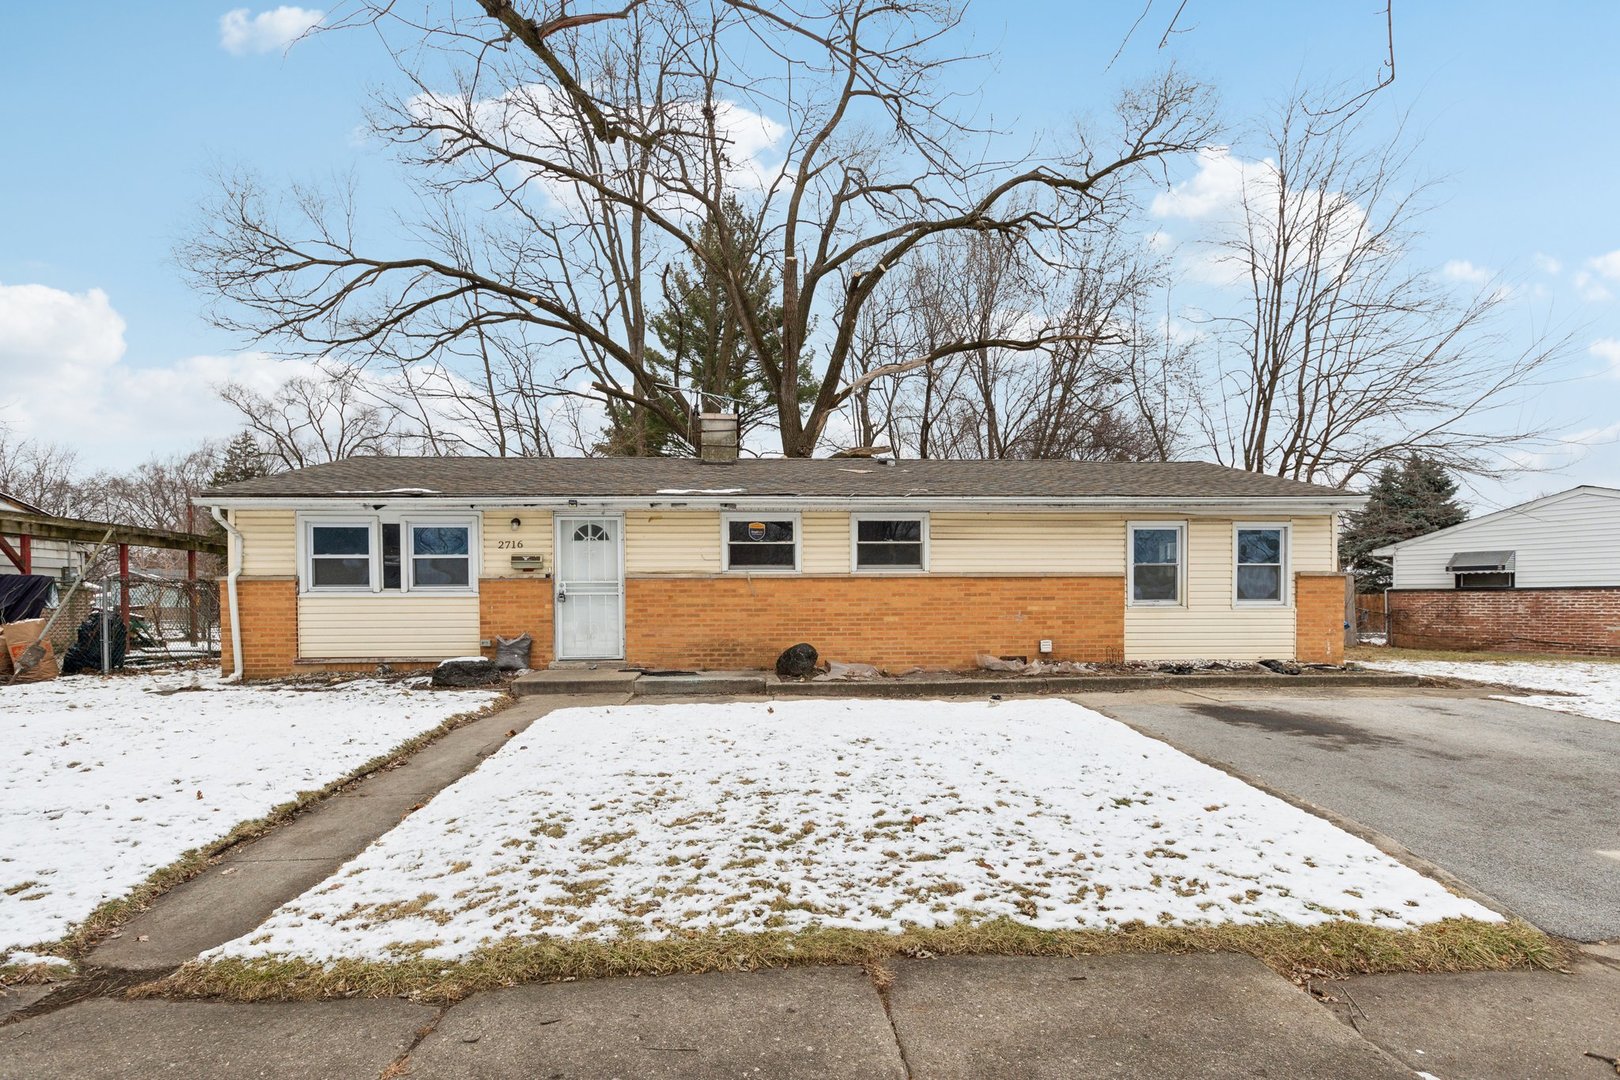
[[118, 116]]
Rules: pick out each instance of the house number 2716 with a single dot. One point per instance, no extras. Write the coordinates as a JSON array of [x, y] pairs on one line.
[[501, 545]]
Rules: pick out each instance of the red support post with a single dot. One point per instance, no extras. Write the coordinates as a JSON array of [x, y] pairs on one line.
[[25, 546], [123, 584]]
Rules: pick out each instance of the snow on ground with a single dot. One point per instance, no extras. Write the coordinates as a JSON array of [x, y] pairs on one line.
[[655, 820], [1585, 688], [103, 780]]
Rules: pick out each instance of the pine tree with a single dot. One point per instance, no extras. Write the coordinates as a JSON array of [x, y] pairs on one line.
[[242, 460], [1411, 499], [702, 345]]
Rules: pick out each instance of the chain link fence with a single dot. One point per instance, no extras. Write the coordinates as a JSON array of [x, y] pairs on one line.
[[141, 621]]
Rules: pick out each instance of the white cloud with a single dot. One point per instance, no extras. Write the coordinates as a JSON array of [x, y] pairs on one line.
[[1591, 288], [242, 32], [1607, 350], [64, 378], [1463, 270], [1606, 266], [1216, 189], [1546, 263]]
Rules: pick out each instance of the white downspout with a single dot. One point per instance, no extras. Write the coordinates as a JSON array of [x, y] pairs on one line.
[[233, 571]]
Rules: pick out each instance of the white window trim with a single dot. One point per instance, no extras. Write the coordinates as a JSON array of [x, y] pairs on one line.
[[306, 553], [373, 523], [898, 515], [1131, 528], [725, 542], [407, 569], [1286, 553]]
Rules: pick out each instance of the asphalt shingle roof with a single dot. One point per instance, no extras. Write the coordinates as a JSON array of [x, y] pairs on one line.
[[477, 477]]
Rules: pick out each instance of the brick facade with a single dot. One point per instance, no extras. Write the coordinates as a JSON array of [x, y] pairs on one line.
[[935, 621], [1579, 621], [269, 611], [1319, 618], [508, 607]]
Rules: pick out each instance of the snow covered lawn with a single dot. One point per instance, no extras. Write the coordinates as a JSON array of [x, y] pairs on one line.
[[657, 820], [104, 780], [1586, 688]]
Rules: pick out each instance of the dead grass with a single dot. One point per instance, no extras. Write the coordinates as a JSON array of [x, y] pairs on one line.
[[1336, 948], [1365, 653], [112, 914]]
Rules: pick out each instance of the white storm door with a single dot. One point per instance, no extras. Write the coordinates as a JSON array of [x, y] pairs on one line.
[[589, 607]]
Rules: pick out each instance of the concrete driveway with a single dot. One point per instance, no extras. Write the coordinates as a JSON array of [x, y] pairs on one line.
[[1521, 803]]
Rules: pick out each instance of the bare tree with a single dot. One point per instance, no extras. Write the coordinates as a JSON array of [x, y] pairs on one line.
[[324, 416], [1337, 352], [580, 153], [39, 473]]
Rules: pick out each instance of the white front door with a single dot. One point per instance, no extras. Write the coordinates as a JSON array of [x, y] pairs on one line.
[[589, 608]]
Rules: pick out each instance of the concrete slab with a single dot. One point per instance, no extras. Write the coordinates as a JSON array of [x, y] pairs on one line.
[[1217, 1016], [702, 684], [573, 681], [16, 998], [1508, 1025], [125, 1040], [807, 1022]]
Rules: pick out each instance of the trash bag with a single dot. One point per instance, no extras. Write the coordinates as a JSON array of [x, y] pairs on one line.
[[798, 662], [85, 652], [512, 654]]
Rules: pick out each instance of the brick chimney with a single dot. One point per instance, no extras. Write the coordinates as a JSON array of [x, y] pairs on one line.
[[717, 437]]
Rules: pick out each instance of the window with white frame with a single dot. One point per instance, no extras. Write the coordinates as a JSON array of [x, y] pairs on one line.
[[441, 556], [339, 555], [890, 541], [389, 553], [1260, 575], [1158, 557], [767, 542]]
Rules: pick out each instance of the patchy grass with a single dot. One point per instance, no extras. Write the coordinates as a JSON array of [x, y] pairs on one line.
[[114, 913], [1326, 949], [1383, 653]]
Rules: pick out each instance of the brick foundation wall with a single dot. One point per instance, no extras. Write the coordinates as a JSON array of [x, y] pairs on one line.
[[1578, 621], [269, 611], [896, 623], [1319, 618], [508, 607]]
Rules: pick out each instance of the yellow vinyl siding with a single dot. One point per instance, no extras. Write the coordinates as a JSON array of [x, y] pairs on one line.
[[399, 626], [534, 533], [824, 542], [269, 542], [1025, 543], [1210, 625], [672, 542]]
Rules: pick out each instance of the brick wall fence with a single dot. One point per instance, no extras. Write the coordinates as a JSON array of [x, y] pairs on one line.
[[1319, 618], [1583, 621], [935, 621]]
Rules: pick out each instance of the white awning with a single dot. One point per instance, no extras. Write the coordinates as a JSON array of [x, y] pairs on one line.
[[1481, 562]]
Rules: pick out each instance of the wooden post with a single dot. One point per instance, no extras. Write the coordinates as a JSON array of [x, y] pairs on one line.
[[123, 584], [25, 546]]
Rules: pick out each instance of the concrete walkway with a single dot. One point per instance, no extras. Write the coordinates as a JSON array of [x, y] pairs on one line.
[[990, 1018]]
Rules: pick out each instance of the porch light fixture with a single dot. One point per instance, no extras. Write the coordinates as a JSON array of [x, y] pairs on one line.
[[517, 523]]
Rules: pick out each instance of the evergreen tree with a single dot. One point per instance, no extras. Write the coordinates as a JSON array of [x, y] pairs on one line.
[[242, 460], [1411, 499], [702, 347]]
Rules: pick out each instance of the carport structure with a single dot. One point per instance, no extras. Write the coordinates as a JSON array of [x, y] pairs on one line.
[[26, 528]]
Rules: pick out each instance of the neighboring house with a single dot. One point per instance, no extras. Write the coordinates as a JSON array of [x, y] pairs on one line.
[[1541, 576], [55, 558], [681, 563]]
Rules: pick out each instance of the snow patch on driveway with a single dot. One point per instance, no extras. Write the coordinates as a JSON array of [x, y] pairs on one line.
[[662, 820], [1584, 688], [107, 779]]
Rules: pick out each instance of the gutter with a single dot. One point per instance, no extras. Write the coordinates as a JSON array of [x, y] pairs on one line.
[[234, 571]]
